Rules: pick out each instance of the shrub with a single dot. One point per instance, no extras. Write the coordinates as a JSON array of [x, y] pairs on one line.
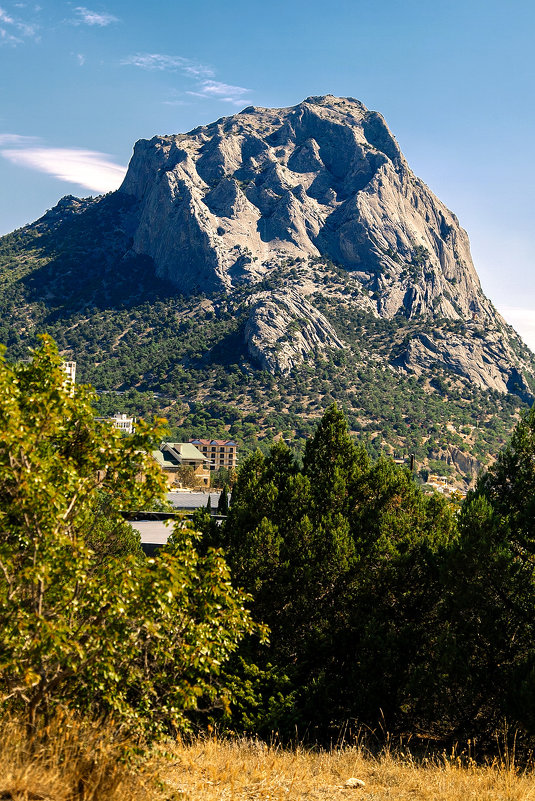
[[97, 630]]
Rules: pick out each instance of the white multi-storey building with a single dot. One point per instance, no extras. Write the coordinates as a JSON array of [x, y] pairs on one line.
[[121, 421], [70, 369]]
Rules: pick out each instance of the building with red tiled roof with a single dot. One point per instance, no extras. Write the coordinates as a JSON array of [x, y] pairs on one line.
[[219, 452]]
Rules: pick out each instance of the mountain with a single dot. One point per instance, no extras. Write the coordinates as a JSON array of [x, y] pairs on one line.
[[225, 204], [289, 242]]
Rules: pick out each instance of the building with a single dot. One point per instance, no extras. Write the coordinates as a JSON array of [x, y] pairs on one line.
[[120, 421], [183, 464], [70, 369], [123, 422], [440, 481], [219, 452]]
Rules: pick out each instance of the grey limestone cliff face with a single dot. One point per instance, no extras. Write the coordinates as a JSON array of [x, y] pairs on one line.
[[283, 328], [324, 181], [223, 203]]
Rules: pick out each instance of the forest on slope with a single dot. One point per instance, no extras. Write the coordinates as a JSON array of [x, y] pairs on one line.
[[149, 350]]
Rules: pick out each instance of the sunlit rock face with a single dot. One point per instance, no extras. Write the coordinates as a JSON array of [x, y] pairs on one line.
[[221, 204], [225, 205]]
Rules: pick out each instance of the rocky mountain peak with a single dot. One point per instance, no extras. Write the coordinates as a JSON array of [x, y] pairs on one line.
[[324, 182], [310, 221], [224, 203]]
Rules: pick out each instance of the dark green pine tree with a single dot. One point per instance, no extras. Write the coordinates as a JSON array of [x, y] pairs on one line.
[[489, 596], [333, 463], [341, 560], [222, 504]]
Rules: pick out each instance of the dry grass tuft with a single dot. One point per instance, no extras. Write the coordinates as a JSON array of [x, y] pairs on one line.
[[70, 761], [250, 771], [81, 762]]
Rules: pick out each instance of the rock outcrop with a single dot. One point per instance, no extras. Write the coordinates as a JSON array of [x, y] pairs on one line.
[[301, 210], [483, 357], [284, 328], [224, 203], [466, 464]]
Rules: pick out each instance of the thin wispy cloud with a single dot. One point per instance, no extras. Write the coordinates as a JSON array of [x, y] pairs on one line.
[[206, 86], [17, 139], [85, 16], [164, 63], [221, 91], [87, 168], [175, 103], [9, 39], [13, 30]]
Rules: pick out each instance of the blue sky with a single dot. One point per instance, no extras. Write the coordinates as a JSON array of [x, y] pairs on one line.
[[454, 80]]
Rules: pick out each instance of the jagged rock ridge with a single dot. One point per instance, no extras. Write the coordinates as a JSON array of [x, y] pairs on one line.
[[225, 204], [325, 178]]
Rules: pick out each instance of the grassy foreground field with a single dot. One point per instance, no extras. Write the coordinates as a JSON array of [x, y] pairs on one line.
[[86, 766]]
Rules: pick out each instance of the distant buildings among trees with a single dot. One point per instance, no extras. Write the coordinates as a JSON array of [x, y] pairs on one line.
[[183, 464], [221, 453]]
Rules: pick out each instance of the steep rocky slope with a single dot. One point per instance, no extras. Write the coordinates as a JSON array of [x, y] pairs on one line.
[[225, 204], [220, 205], [268, 264]]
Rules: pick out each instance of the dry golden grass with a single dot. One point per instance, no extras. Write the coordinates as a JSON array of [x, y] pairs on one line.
[[71, 760], [250, 771], [83, 764]]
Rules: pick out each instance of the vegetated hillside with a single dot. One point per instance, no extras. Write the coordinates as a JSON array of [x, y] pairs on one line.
[[356, 285]]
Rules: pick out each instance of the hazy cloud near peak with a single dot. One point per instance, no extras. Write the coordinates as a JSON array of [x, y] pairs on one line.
[[87, 168], [222, 91], [87, 17], [162, 62]]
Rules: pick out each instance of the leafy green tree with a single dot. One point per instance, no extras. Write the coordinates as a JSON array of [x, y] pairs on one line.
[[186, 475], [98, 629], [110, 535]]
